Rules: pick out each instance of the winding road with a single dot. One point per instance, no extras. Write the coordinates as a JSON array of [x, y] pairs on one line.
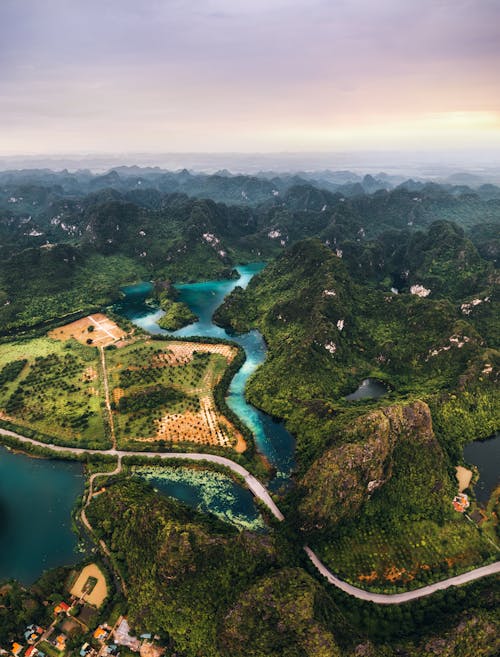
[[261, 493]]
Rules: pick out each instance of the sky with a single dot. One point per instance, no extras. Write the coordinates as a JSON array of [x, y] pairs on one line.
[[249, 75]]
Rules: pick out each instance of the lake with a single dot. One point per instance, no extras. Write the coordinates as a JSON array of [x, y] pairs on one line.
[[485, 455], [368, 389], [37, 497]]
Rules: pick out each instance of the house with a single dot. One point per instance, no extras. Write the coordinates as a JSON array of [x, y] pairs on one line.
[[100, 634], [62, 607], [461, 502], [31, 652], [16, 648], [33, 633], [84, 649], [60, 642]]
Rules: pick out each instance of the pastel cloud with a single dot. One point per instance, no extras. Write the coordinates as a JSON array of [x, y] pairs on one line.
[[247, 74]]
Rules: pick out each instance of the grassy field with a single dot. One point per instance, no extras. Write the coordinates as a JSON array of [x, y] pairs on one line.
[[381, 558], [163, 391], [54, 388]]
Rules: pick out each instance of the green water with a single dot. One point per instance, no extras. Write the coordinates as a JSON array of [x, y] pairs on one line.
[[207, 491], [36, 500]]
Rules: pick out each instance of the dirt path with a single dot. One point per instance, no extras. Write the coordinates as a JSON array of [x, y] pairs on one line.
[[86, 521], [107, 398]]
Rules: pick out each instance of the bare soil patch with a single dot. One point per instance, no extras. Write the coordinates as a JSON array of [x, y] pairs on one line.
[[100, 591], [464, 477], [205, 427], [103, 333]]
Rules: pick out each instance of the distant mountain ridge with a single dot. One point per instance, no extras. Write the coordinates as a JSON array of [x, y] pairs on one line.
[[184, 226]]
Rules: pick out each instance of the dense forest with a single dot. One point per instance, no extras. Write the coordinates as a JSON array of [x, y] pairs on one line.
[[367, 277], [211, 591], [76, 237]]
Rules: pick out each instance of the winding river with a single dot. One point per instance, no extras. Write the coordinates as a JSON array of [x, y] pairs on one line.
[[272, 439]]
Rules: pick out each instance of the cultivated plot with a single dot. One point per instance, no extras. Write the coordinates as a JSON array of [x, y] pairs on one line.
[[53, 388], [96, 330], [163, 391]]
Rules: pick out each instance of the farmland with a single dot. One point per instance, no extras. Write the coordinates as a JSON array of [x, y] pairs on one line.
[[160, 391], [163, 391], [97, 330], [53, 388]]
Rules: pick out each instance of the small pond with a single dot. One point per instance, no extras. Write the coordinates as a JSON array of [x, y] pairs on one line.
[[485, 455], [368, 389]]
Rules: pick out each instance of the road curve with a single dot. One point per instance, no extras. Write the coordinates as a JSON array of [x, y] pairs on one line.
[[258, 489], [398, 598], [260, 492]]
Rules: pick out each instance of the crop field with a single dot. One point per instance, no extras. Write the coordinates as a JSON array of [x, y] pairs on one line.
[[413, 556], [163, 391], [160, 391], [54, 388]]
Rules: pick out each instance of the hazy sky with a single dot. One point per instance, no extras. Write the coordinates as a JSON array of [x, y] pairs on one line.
[[248, 75]]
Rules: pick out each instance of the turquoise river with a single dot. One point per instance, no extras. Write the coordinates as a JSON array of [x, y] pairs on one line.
[[272, 439]]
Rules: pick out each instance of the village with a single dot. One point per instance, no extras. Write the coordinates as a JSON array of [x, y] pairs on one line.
[[77, 629]]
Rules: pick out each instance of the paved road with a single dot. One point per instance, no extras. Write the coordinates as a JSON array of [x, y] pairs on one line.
[[261, 493], [258, 489], [397, 598]]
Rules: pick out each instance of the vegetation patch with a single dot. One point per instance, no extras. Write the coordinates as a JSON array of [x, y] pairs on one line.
[[163, 391], [385, 556], [55, 390]]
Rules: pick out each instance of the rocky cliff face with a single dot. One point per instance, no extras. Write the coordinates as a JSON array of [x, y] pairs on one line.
[[344, 477]]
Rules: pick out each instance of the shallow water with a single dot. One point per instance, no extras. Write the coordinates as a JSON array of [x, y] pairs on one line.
[[207, 491], [36, 500]]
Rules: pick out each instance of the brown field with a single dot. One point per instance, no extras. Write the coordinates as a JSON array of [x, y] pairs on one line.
[[118, 394], [464, 477], [100, 590], [206, 427], [105, 331]]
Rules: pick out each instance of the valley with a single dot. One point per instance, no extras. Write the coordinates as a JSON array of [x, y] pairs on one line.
[[247, 386]]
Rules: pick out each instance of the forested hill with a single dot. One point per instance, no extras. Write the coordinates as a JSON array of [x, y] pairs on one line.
[[74, 238], [375, 478], [327, 330]]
